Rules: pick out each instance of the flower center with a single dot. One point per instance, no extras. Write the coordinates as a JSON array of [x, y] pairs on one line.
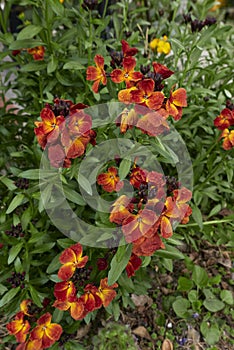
[[145, 97], [126, 75]]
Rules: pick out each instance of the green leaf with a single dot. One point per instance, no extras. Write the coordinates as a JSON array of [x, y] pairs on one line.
[[73, 196], [25, 44], [180, 306], [124, 168], [177, 44], [3, 289], [227, 297], [35, 297], [34, 66], [197, 215], [57, 315], [13, 252], [215, 210], [54, 264], [32, 174], [44, 248], [52, 65], [84, 183], [199, 276], [8, 183], [16, 201], [29, 32], [9, 296], [184, 284], [73, 65], [211, 332], [169, 253], [119, 263], [57, 7], [212, 303]]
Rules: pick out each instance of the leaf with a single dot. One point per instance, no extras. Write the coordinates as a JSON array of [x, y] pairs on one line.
[[35, 297], [16, 201], [169, 253], [25, 44], [54, 264], [34, 66], [212, 303], [57, 7], [178, 44], [199, 276], [124, 168], [211, 333], [9, 296], [73, 65], [3, 289], [32, 174], [227, 297], [8, 183], [57, 315], [84, 183], [73, 196], [197, 215], [119, 262], [13, 252], [52, 65], [180, 306], [29, 32], [184, 284]]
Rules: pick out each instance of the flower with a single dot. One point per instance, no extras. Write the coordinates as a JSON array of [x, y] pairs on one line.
[[225, 119], [137, 176], [161, 45], [64, 290], [146, 246], [162, 70], [154, 123], [45, 331], [71, 258], [126, 74], [110, 181], [97, 73], [90, 299], [228, 142], [102, 264], [106, 292], [19, 327], [30, 345], [175, 102], [125, 95], [133, 265], [146, 96], [74, 305], [127, 119], [127, 50], [37, 52], [120, 210]]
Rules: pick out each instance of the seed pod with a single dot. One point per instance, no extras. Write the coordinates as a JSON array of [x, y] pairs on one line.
[[167, 345]]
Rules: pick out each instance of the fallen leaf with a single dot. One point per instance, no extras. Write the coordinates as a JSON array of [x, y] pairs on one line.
[[193, 335], [167, 345], [141, 300], [142, 332]]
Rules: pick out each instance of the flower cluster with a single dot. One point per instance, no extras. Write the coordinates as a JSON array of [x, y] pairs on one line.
[[150, 215], [196, 24], [90, 297], [225, 122], [65, 130], [37, 52], [31, 332], [161, 45]]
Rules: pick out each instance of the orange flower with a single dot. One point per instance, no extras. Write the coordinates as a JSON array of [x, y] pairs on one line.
[[127, 50], [37, 52], [136, 226], [133, 265], [127, 119], [228, 142], [74, 305], [110, 181], [30, 345], [45, 331], [126, 74], [19, 327], [225, 119], [120, 210], [137, 176], [64, 290], [162, 70], [71, 258], [125, 95], [154, 123], [175, 102], [146, 246], [106, 292], [97, 73], [181, 196], [79, 123], [146, 96], [90, 299], [25, 306]]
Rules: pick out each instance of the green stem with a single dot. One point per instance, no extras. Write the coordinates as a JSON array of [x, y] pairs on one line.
[[213, 222], [105, 8]]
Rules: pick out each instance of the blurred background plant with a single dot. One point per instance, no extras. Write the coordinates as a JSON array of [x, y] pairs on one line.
[[199, 39]]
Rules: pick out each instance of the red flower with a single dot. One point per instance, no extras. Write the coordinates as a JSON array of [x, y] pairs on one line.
[[133, 265], [102, 264], [106, 292], [154, 123], [127, 50], [228, 142], [126, 74], [79, 123], [30, 345], [162, 70], [46, 332], [225, 119], [110, 181], [19, 327], [64, 290], [125, 95], [127, 119], [136, 226], [90, 299], [146, 246], [74, 305], [37, 52], [25, 307], [175, 102], [137, 177], [56, 155], [146, 96], [97, 73], [120, 210], [71, 258]]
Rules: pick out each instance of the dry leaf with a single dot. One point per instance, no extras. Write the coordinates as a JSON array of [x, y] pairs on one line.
[[167, 345], [142, 332], [193, 335], [141, 300]]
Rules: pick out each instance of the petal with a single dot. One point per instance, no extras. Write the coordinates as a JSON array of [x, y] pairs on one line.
[[61, 305], [162, 70], [64, 290], [77, 310], [179, 97], [155, 100], [99, 60], [147, 86], [95, 86], [92, 73], [129, 64], [76, 149], [45, 319], [166, 227], [117, 76], [67, 256], [66, 271], [54, 331]]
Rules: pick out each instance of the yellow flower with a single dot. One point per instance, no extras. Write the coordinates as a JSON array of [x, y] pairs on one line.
[[161, 45], [61, 1], [218, 4]]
